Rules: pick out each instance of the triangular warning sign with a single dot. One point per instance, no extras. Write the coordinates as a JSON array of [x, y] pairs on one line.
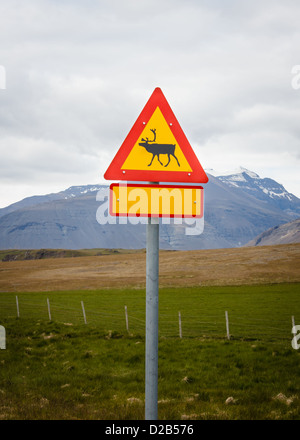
[[156, 149]]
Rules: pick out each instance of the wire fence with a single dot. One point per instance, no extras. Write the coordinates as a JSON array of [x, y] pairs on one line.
[[126, 320]]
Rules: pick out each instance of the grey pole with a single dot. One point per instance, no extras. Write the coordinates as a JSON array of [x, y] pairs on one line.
[[152, 264]]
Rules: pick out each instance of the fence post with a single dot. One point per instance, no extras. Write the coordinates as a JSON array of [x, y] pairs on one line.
[[18, 311], [49, 312], [2, 338], [83, 311], [126, 319], [227, 325], [180, 329], [293, 325]]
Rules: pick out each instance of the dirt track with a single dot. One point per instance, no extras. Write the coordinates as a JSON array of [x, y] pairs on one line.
[[252, 265]]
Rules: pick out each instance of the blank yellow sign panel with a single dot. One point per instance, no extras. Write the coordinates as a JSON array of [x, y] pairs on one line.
[[156, 200], [157, 153]]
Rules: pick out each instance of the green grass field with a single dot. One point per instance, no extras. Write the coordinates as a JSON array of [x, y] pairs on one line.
[[65, 369]]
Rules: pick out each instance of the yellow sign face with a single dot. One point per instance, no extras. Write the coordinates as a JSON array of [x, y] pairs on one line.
[[156, 148], [156, 201]]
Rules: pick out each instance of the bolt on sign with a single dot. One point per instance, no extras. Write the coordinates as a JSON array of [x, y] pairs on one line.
[[156, 201]]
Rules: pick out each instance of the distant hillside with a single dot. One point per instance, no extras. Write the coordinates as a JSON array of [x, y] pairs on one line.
[[41, 254], [210, 267], [282, 234]]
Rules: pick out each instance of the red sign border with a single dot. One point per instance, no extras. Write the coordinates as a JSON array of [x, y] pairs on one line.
[[114, 171], [156, 186]]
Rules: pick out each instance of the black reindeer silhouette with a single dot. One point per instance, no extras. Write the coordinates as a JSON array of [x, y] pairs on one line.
[[157, 149]]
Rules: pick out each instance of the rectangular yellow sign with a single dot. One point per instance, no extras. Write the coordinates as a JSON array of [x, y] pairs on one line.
[[130, 200]]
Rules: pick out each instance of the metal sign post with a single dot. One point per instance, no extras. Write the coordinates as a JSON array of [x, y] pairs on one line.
[[152, 271], [173, 160]]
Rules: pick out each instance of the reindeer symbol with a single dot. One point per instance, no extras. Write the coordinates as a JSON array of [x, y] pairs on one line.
[[157, 149]]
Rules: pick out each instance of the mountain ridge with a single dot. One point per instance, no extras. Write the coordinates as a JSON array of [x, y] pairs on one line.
[[238, 207], [286, 233]]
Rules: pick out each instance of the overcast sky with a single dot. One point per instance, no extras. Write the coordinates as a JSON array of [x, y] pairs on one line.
[[78, 73]]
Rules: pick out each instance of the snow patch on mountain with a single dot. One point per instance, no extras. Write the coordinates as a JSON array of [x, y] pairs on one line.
[[236, 171], [252, 183], [75, 191]]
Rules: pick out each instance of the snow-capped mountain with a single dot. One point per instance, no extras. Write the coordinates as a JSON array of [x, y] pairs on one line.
[[237, 207], [261, 188], [73, 191]]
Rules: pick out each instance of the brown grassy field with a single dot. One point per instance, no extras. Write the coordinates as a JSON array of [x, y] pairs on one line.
[[221, 267]]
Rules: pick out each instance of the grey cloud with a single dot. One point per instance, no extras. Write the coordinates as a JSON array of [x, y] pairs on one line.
[[79, 73]]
